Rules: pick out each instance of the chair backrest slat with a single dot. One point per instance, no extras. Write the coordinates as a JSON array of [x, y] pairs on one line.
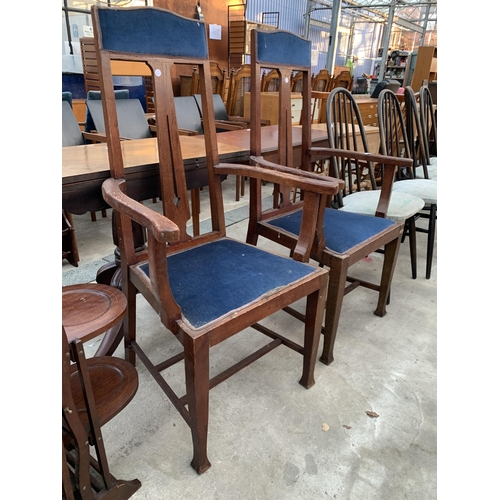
[[184, 42]]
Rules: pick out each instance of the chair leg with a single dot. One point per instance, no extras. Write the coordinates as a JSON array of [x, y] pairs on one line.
[[238, 180], [196, 363], [314, 319], [336, 288], [412, 236], [390, 257], [129, 321], [430, 241]]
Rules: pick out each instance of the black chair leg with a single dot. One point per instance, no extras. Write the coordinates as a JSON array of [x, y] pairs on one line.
[[430, 240], [412, 236]]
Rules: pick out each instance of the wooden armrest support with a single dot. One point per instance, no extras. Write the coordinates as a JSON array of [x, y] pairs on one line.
[[163, 229], [271, 172], [356, 155]]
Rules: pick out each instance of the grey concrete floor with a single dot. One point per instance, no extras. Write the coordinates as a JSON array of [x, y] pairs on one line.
[[269, 438]]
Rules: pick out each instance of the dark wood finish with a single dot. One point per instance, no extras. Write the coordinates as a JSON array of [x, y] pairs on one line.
[[419, 150], [69, 245], [93, 392], [261, 222], [428, 118], [394, 142], [167, 235]]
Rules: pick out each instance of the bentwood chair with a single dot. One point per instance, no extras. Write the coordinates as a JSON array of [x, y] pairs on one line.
[[341, 239], [394, 142], [93, 392], [194, 283], [366, 182]]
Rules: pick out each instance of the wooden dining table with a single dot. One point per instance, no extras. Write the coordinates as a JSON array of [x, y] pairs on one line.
[[84, 168]]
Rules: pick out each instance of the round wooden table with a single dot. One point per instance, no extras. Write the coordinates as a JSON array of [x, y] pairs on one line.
[[91, 309]]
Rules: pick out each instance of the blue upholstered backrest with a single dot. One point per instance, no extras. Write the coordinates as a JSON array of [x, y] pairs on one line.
[[283, 47], [71, 133], [132, 121], [142, 31]]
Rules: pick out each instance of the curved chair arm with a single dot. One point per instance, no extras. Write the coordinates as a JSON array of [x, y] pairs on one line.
[[272, 172], [390, 164], [163, 229]]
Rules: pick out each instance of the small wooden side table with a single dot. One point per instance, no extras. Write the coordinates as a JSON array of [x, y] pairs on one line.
[[91, 309]]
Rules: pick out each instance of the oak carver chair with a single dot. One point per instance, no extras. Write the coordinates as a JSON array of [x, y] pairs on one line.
[[93, 392], [362, 192], [341, 239], [394, 142], [192, 282]]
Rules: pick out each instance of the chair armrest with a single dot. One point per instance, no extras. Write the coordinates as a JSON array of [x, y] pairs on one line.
[[272, 172], [163, 229], [390, 164]]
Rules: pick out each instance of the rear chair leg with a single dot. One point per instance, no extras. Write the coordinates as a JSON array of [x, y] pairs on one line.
[[390, 258], [413, 246], [430, 241]]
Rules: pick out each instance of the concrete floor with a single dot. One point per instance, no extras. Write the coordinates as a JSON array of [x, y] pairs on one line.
[[269, 438]]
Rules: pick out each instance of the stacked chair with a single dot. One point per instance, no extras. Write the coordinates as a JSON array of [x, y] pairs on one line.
[[340, 239], [394, 141], [194, 283]]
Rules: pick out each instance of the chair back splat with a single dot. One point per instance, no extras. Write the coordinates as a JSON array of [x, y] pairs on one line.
[[192, 282]]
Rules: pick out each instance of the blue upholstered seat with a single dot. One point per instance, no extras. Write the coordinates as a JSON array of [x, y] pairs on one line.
[[203, 279], [343, 230]]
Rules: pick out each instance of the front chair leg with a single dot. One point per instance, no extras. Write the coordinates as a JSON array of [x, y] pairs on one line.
[[390, 257], [196, 362], [315, 307], [412, 233], [336, 289]]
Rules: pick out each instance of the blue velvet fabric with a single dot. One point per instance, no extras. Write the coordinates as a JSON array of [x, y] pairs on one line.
[[214, 279], [148, 30], [343, 230], [283, 47]]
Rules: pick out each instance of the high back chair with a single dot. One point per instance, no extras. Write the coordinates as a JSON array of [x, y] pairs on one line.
[[368, 185], [394, 142], [344, 80], [422, 168], [93, 392], [217, 76], [341, 239], [194, 283], [239, 83], [72, 135], [269, 81], [321, 82], [95, 95], [429, 126], [132, 122]]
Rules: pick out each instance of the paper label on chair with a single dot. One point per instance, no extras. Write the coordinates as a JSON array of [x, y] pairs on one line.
[[158, 72]]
